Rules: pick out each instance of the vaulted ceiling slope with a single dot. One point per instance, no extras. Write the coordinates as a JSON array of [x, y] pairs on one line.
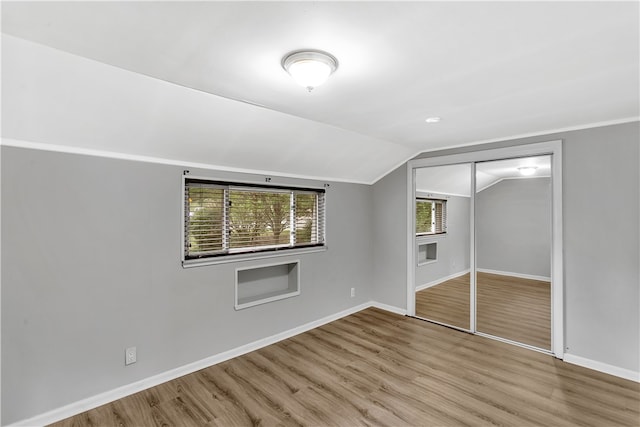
[[202, 81], [52, 97]]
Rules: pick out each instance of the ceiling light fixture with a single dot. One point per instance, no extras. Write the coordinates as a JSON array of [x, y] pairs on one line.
[[432, 120], [527, 170], [310, 68]]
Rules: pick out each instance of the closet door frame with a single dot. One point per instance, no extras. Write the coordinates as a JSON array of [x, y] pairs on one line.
[[553, 148]]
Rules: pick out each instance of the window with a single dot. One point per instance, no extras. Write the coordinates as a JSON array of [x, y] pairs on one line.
[[431, 216], [226, 218]]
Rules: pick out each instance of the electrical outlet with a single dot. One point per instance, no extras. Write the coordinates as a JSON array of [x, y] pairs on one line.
[[130, 356], [353, 292]]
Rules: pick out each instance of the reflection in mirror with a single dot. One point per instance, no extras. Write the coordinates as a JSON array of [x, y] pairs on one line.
[[442, 244], [513, 249]]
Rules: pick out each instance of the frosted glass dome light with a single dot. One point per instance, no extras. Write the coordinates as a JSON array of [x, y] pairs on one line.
[[310, 68]]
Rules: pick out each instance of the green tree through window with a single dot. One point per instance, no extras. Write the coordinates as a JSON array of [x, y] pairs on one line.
[[431, 216], [258, 218], [423, 217]]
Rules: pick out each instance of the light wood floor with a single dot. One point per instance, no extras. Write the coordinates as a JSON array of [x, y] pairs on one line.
[[514, 308], [508, 307], [376, 368], [447, 302]]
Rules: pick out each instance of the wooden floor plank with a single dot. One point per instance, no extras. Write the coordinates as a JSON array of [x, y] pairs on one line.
[[376, 368]]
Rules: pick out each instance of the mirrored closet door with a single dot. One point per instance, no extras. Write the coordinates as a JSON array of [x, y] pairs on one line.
[[442, 238], [484, 239], [513, 250]]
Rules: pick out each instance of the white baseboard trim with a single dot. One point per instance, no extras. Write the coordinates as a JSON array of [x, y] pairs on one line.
[[391, 308], [129, 389], [520, 275], [442, 279], [627, 374]]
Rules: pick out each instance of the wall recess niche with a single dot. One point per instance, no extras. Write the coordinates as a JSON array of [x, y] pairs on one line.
[[427, 253], [266, 283]]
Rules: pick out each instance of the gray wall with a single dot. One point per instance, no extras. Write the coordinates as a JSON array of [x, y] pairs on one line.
[[453, 248], [602, 288], [91, 265], [390, 241], [513, 227]]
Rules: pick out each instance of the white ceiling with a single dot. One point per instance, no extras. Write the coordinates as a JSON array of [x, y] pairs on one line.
[[491, 70], [455, 180]]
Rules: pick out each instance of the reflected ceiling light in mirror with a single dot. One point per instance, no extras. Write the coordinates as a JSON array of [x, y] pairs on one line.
[[310, 68], [527, 170], [432, 120]]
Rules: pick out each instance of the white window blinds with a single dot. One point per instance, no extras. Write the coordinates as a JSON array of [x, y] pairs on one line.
[[228, 218]]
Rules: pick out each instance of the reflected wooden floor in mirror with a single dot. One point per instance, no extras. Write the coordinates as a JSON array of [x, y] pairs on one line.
[[514, 308], [508, 307], [446, 303]]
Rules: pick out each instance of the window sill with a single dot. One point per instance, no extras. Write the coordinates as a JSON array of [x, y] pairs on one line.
[[249, 257], [430, 237]]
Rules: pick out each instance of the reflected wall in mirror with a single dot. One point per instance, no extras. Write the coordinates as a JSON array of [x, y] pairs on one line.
[[442, 244], [513, 249]]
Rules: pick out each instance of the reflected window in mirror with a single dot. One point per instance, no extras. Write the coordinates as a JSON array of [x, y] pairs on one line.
[[431, 216]]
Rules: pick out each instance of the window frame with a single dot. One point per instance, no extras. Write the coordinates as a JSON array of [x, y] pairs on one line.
[[251, 253], [434, 201]]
